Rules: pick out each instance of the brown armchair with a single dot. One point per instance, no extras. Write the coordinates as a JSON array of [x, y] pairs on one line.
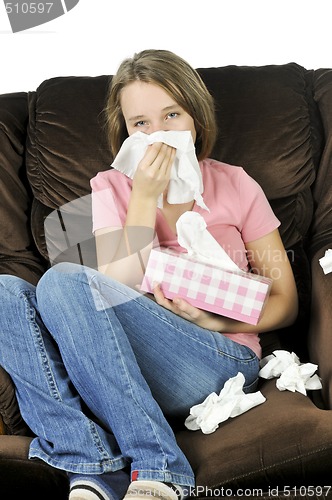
[[275, 121]]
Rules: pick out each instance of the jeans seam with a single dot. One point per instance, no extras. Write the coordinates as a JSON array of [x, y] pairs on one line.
[[91, 280], [40, 346]]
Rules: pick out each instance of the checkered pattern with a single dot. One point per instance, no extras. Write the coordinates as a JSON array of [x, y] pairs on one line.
[[236, 295]]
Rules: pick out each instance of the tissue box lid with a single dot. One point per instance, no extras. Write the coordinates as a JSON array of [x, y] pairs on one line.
[[240, 296]]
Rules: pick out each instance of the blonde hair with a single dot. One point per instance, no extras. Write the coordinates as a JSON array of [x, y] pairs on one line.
[[177, 78]]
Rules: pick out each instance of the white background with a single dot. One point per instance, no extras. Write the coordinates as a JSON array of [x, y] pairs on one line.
[[96, 35]]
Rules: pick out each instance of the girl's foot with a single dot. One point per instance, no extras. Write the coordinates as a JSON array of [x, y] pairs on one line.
[[107, 486], [140, 490]]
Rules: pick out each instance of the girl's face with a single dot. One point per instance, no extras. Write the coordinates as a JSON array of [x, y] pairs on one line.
[[146, 107]]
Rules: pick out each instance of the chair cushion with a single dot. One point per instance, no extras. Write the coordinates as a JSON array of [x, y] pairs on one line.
[[321, 231], [286, 440], [269, 124], [9, 411], [18, 255], [67, 143], [32, 479]]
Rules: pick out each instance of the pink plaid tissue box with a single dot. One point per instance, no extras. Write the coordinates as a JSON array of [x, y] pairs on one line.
[[238, 295]]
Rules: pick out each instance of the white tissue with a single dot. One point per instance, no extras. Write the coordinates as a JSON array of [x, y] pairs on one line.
[[193, 235], [230, 402], [326, 261], [293, 375], [186, 179]]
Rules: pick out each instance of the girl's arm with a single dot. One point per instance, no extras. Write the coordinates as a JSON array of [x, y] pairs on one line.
[[132, 244]]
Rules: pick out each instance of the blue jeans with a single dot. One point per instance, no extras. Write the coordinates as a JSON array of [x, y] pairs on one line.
[[97, 366]]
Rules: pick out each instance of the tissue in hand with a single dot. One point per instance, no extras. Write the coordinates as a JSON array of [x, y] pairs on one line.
[[206, 276], [186, 179]]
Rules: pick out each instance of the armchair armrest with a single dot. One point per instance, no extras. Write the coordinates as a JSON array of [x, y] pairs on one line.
[[10, 417], [320, 329]]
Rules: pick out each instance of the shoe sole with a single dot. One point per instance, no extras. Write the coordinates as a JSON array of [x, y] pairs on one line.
[[144, 490]]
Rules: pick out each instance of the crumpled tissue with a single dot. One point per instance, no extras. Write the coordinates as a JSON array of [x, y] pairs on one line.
[[192, 234], [293, 375], [230, 402], [186, 182], [326, 262]]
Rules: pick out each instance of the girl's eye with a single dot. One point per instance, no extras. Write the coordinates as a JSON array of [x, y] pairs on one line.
[[141, 123], [172, 115]]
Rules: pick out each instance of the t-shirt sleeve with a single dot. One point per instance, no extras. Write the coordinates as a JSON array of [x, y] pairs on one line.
[[258, 216], [105, 203]]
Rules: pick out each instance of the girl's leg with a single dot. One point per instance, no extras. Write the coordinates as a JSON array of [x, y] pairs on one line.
[[102, 366], [48, 401], [124, 335], [181, 361]]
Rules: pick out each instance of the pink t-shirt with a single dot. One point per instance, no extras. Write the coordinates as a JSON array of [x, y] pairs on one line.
[[239, 213]]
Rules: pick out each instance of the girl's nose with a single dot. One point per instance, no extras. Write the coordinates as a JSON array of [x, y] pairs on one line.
[[157, 126], [154, 128]]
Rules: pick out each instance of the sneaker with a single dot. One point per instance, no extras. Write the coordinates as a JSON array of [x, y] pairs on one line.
[[140, 490], [107, 486], [87, 490]]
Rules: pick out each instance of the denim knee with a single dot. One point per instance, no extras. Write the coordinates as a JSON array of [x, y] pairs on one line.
[[17, 298], [56, 278], [11, 288]]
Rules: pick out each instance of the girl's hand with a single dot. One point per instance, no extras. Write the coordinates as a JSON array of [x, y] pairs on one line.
[[153, 172], [189, 312]]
